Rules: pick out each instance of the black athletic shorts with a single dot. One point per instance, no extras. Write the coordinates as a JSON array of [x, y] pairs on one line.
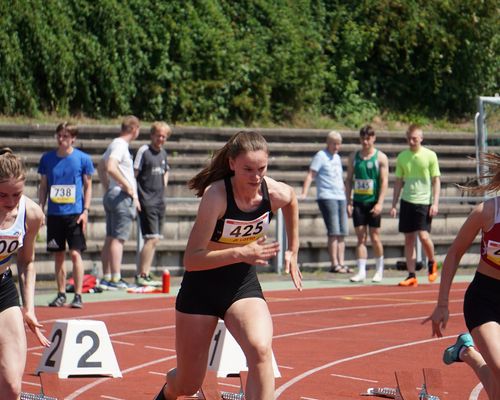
[[62, 229], [8, 291], [482, 301], [362, 216], [414, 217], [213, 291], [151, 219]]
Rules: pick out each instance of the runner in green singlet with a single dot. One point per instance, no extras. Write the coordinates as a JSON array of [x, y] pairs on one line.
[[367, 179]]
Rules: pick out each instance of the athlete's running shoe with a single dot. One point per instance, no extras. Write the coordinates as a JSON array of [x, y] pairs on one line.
[[106, 285], [377, 277], [452, 353], [120, 284], [359, 277], [433, 270], [146, 280], [77, 301], [410, 281], [59, 301]]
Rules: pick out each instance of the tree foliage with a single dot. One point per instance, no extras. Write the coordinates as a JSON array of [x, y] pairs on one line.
[[241, 62]]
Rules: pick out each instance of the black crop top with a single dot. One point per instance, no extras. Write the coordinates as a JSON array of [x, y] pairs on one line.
[[238, 226]]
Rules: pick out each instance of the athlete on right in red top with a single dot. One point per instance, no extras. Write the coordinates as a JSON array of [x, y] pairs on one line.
[[481, 348]]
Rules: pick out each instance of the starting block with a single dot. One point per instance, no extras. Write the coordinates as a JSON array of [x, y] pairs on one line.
[[225, 355], [209, 389], [79, 347], [432, 388], [49, 387], [32, 396]]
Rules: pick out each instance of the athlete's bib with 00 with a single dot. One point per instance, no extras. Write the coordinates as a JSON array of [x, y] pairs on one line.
[[8, 246], [63, 194], [493, 251], [363, 186], [237, 231]]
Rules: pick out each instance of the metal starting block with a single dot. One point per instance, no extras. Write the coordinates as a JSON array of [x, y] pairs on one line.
[[34, 396], [232, 396], [388, 393], [432, 388]]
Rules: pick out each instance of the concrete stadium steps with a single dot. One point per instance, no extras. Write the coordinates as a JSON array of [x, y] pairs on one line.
[[312, 255], [180, 217], [291, 150]]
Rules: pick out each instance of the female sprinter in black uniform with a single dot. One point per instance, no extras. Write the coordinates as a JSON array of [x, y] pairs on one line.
[[20, 220], [481, 348], [226, 244]]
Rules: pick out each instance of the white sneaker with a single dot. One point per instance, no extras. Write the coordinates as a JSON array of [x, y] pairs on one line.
[[359, 277], [378, 276]]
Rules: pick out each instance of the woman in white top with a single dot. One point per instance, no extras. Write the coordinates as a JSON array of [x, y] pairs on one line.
[[20, 220]]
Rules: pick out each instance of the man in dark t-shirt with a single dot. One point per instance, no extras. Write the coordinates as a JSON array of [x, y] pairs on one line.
[[151, 171]]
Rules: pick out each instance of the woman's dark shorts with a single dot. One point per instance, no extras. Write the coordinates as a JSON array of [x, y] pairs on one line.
[[213, 291], [414, 217], [8, 291], [482, 301]]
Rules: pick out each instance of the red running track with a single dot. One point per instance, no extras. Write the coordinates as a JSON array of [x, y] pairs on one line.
[[329, 343]]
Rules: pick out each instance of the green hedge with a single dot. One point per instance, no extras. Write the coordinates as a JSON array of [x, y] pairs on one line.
[[241, 62]]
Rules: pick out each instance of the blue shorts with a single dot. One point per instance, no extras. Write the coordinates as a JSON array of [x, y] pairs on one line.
[[120, 213], [335, 216]]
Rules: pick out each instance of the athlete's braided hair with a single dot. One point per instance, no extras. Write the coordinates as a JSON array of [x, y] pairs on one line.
[[218, 168], [11, 166]]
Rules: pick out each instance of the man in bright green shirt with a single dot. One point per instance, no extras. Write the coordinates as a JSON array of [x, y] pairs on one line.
[[417, 173]]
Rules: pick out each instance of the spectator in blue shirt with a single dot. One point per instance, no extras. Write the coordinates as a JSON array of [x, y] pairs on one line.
[[66, 188]]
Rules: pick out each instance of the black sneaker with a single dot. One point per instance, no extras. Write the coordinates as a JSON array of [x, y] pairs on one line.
[[59, 300], [77, 301]]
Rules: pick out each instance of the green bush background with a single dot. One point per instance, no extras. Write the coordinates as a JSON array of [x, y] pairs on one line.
[[237, 62]]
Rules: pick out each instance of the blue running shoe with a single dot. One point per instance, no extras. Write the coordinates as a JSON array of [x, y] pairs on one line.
[[106, 285], [451, 354]]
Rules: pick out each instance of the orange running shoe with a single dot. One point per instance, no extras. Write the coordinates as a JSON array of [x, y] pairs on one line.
[[410, 281], [433, 270]]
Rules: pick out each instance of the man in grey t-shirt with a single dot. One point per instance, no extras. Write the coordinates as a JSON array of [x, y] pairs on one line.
[[151, 171]]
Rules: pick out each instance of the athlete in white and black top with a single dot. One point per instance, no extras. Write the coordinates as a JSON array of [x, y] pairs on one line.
[[226, 244], [20, 221]]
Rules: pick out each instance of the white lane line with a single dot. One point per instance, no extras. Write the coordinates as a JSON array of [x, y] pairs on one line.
[[97, 382], [476, 392], [115, 314], [354, 378], [110, 397], [361, 325], [306, 374], [31, 383], [349, 308], [124, 343], [159, 348], [157, 373], [143, 330], [359, 295]]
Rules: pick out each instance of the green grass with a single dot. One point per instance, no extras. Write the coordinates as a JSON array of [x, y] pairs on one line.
[[387, 121]]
